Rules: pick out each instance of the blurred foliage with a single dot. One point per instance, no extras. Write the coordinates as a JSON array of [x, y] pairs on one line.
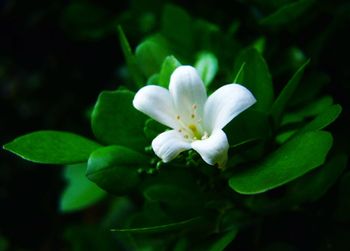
[[58, 56]]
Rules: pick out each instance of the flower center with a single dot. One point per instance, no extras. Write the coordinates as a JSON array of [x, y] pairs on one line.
[[191, 128]]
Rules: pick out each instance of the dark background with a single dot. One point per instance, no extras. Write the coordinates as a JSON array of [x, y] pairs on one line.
[[53, 66]]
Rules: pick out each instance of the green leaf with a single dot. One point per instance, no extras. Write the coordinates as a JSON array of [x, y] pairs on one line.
[[310, 110], [221, 243], [152, 129], [86, 20], [239, 74], [343, 200], [130, 59], [4, 245], [79, 192], [115, 120], [207, 66], [256, 77], [287, 13], [314, 185], [161, 228], [179, 200], [283, 98], [324, 119], [249, 125], [177, 26], [115, 168], [150, 55], [170, 63], [293, 159], [52, 147]]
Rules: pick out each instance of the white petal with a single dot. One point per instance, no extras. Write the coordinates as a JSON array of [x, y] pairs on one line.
[[225, 104], [187, 89], [169, 144], [213, 150], [156, 102]]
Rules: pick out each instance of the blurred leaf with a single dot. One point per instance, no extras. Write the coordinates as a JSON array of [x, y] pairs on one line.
[[217, 242], [221, 243], [115, 168], [116, 121], [3, 244], [152, 129], [52, 147], [206, 35], [278, 246], [178, 192], [343, 200], [239, 75], [161, 228], [259, 45], [154, 79], [175, 199], [130, 59], [207, 66], [84, 20], [177, 26], [256, 77], [293, 159], [90, 238], [170, 63], [325, 118], [79, 192], [181, 245], [283, 98], [150, 55], [287, 13]]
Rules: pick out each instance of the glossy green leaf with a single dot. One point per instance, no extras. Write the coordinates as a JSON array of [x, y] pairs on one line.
[[287, 13], [324, 119], [130, 59], [150, 55], [161, 228], [293, 159], [170, 63], [115, 168], [283, 98], [52, 147], [177, 26], [207, 66], [79, 192], [115, 120], [256, 77]]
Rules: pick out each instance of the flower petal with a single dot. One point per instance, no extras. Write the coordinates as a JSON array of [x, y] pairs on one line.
[[213, 150], [156, 102], [187, 90], [169, 144], [225, 104]]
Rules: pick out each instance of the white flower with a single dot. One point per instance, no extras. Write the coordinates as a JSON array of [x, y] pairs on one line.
[[196, 120]]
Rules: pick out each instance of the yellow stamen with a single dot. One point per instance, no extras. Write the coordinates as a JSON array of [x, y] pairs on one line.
[[195, 131]]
